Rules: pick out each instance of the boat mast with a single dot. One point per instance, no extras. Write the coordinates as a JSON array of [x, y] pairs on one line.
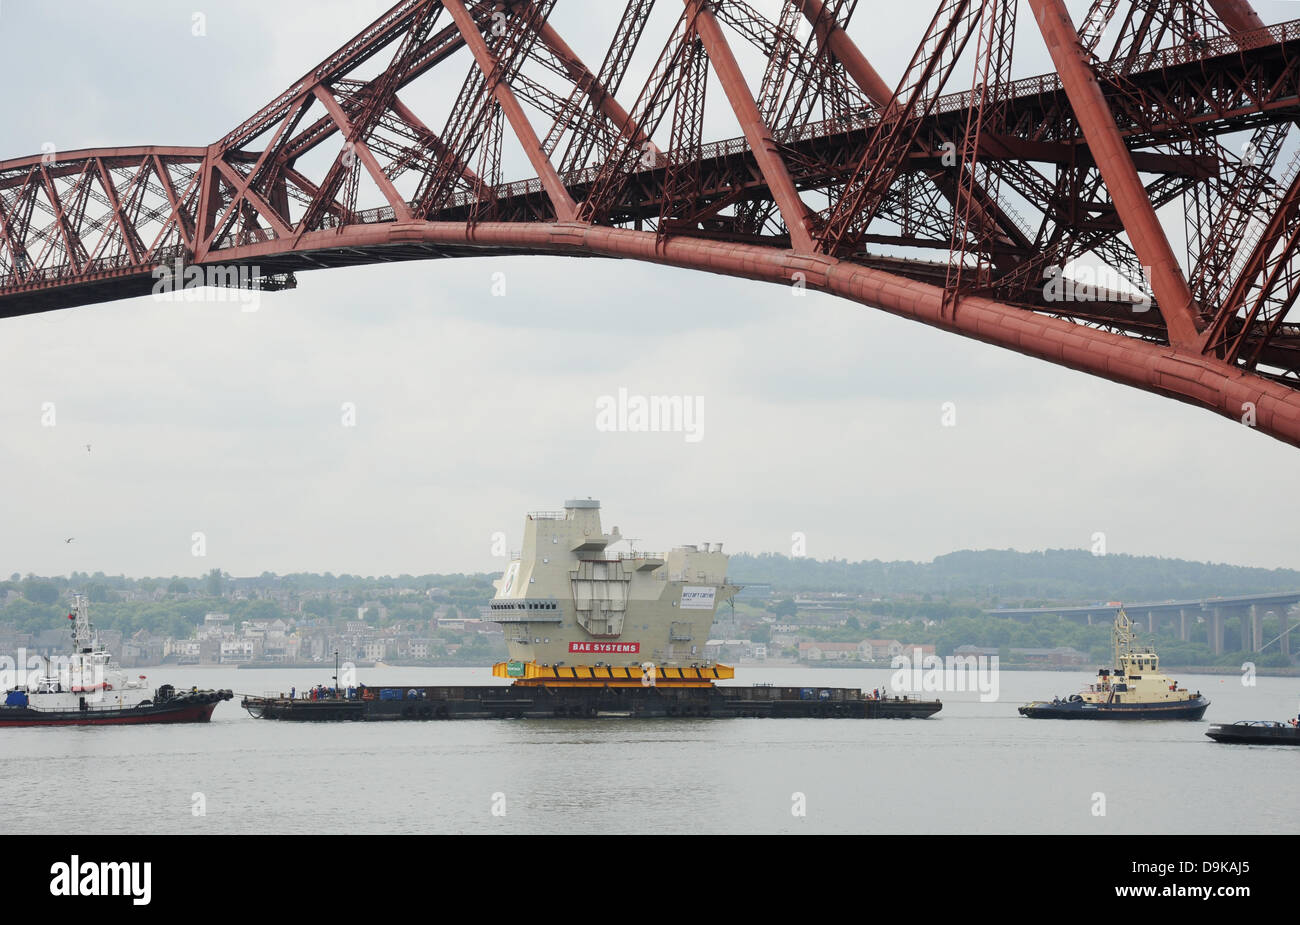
[[83, 633], [1122, 636]]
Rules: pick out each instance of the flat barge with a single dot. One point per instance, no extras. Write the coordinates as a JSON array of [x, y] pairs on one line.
[[1255, 732], [605, 698]]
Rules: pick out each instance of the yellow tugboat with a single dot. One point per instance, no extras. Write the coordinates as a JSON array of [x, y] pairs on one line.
[[1133, 689]]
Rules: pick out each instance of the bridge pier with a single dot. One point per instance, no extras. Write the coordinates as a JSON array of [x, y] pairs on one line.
[[1182, 623], [1216, 630], [1284, 624], [1257, 628], [1244, 625], [1151, 622]]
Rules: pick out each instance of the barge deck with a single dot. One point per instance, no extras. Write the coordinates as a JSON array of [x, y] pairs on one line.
[[543, 701]]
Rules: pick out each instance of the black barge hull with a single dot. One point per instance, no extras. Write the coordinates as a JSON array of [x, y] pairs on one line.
[[187, 707], [1255, 734], [542, 702]]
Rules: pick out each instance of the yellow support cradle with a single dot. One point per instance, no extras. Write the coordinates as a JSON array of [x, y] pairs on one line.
[[531, 674]]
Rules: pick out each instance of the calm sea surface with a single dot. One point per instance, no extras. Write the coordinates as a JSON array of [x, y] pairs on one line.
[[974, 768]]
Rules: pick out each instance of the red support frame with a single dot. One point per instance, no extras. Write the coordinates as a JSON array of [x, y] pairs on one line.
[[1092, 150], [561, 201], [1116, 166], [759, 136]]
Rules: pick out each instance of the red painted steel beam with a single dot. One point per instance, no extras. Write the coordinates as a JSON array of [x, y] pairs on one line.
[[1237, 15], [71, 243], [561, 201], [394, 198], [1116, 166], [252, 197], [175, 201], [759, 136], [404, 112], [355, 52], [590, 84], [1168, 371], [239, 196], [111, 155], [855, 62], [130, 239]]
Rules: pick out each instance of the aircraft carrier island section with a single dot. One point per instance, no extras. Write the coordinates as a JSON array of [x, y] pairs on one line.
[[594, 632]]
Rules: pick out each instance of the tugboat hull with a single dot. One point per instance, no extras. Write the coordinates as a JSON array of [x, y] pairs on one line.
[[543, 702], [1190, 709], [1256, 733], [192, 708]]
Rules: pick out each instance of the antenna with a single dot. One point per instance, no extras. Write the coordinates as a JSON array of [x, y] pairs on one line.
[[83, 632], [1122, 635]]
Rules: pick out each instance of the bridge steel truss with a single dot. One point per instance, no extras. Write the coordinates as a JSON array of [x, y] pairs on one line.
[[955, 197]]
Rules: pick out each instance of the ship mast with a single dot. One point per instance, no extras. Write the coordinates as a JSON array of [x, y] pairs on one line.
[[1122, 636], [83, 633]]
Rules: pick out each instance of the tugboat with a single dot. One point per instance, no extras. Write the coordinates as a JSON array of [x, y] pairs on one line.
[[88, 689], [1133, 689], [593, 631]]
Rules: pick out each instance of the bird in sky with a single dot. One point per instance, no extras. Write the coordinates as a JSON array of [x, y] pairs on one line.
[[69, 539], [87, 447]]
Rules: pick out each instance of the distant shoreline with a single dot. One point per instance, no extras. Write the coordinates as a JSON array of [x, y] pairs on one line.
[[259, 666], [748, 664], [1089, 669]]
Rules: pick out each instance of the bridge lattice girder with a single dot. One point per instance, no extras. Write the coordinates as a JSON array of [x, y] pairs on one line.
[[957, 208]]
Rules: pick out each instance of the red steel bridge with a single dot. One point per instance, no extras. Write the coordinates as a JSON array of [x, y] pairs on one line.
[[953, 195]]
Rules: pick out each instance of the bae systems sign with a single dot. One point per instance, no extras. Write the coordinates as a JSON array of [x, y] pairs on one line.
[[605, 648]]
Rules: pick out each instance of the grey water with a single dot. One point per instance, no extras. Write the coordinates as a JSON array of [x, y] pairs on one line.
[[976, 767]]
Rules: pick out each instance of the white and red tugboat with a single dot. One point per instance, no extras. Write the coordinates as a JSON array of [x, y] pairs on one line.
[[88, 689]]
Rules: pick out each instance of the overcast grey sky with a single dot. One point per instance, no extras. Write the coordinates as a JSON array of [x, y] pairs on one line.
[[820, 416]]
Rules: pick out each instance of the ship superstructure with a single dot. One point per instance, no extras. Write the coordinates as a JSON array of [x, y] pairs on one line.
[[572, 598], [1136, 676], [88, 678]]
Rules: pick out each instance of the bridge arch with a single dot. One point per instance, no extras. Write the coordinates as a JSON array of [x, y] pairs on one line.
[[94, 225]]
